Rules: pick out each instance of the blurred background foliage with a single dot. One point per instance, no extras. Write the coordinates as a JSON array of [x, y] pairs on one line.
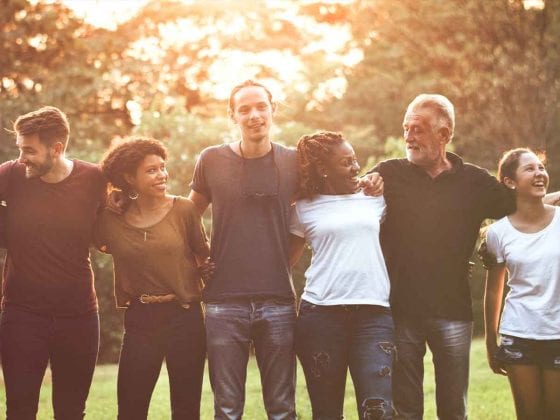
[[349, 66]]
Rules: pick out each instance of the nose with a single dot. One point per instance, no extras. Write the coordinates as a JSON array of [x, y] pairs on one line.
[[21, 158], [253, 113], [407, 136]]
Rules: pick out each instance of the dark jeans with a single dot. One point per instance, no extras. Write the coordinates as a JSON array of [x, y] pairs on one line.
[[332, 339], [450, 342], [30, 341], [230, 328], [154, 332]]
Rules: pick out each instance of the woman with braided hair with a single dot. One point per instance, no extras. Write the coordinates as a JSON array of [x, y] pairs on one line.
[[344, 319]]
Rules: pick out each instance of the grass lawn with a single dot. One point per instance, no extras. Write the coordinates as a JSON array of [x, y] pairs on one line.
[[489, 395]]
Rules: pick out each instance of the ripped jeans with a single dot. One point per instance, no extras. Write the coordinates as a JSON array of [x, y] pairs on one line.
[[331, 339]]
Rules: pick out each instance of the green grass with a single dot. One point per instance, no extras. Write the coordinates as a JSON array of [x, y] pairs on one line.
[[489, 394]]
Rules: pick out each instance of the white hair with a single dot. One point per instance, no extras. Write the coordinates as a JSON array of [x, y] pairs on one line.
[[440, 104]]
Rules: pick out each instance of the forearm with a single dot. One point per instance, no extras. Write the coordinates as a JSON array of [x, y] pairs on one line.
[[493, 302]]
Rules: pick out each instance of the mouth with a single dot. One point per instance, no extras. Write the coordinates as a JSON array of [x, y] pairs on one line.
[[255, 126], [161, 186]]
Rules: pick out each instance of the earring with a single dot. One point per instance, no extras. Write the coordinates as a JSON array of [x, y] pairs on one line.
[[324, 175], [133, 195], [513, 187]]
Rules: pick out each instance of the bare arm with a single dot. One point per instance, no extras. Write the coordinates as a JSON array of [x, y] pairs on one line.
[[493, 294], [200, 201], [296, 249], [552, 198]]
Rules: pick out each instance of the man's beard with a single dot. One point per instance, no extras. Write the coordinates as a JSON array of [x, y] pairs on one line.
[[36, 170]]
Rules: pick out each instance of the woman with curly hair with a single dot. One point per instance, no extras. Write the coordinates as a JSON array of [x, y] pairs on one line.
[[526, 245], [344, 319], [157, 245]]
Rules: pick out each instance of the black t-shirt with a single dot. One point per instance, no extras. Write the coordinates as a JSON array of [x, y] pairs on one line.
[[430, 231]]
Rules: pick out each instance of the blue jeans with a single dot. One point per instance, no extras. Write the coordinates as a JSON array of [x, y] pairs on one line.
[[450, 342], [154, 332], [332, 339], [29, 341], [230, 329]]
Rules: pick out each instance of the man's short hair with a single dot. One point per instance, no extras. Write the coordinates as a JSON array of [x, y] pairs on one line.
[[439, 103], [246, 83], [48, 122]]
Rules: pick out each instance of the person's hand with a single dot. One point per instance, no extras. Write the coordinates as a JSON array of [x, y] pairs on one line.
[[117, 201], [207, 269], [488, 259], [372, 184], [496, 366]]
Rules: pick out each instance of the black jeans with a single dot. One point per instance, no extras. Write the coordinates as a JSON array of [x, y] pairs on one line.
[[154, 332], [30, 341]]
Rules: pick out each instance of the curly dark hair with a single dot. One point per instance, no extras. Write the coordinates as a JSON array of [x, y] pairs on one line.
[[124, 158], [313, 151]]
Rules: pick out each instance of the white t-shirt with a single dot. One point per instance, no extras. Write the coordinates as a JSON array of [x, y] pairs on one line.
[[532, 306], [347, 266]]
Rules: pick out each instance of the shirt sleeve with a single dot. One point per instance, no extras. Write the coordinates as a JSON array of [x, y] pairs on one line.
[[296, 227], [196, 235], [199, 182], [497, 200], [101, 233], [6, 169], [493, 245]]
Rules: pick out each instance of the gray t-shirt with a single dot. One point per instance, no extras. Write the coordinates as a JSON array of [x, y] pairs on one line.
[[250, 221]]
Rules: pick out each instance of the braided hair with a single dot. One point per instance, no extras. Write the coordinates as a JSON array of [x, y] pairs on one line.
[[313, 151]]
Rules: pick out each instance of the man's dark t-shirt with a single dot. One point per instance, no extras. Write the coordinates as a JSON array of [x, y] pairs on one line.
[[430, 231], [49, 231], [250, 218]]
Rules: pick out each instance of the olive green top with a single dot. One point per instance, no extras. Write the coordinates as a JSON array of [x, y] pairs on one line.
[[158, 259]]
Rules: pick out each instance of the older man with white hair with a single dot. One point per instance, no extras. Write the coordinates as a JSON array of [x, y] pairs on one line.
[[435, 205]]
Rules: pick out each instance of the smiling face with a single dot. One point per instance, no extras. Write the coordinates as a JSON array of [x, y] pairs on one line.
[[150, 178], [342, 170], [531, 177], [252, 111], [425, 143], [37, 157]]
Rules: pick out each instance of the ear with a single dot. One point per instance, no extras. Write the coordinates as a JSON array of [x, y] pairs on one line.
[[57, 148], [445, 134], [273, 106], [510, 183], [231, 115]]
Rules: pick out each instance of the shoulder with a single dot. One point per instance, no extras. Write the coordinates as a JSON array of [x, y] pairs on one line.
[[478, 172], [391, 165], [12, 167], [285, 153], [213, 151], [185, 208], [88, 169], [108, 219], [498, 227]]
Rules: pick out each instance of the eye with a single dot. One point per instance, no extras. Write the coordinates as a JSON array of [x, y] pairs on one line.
[[262, 107]]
